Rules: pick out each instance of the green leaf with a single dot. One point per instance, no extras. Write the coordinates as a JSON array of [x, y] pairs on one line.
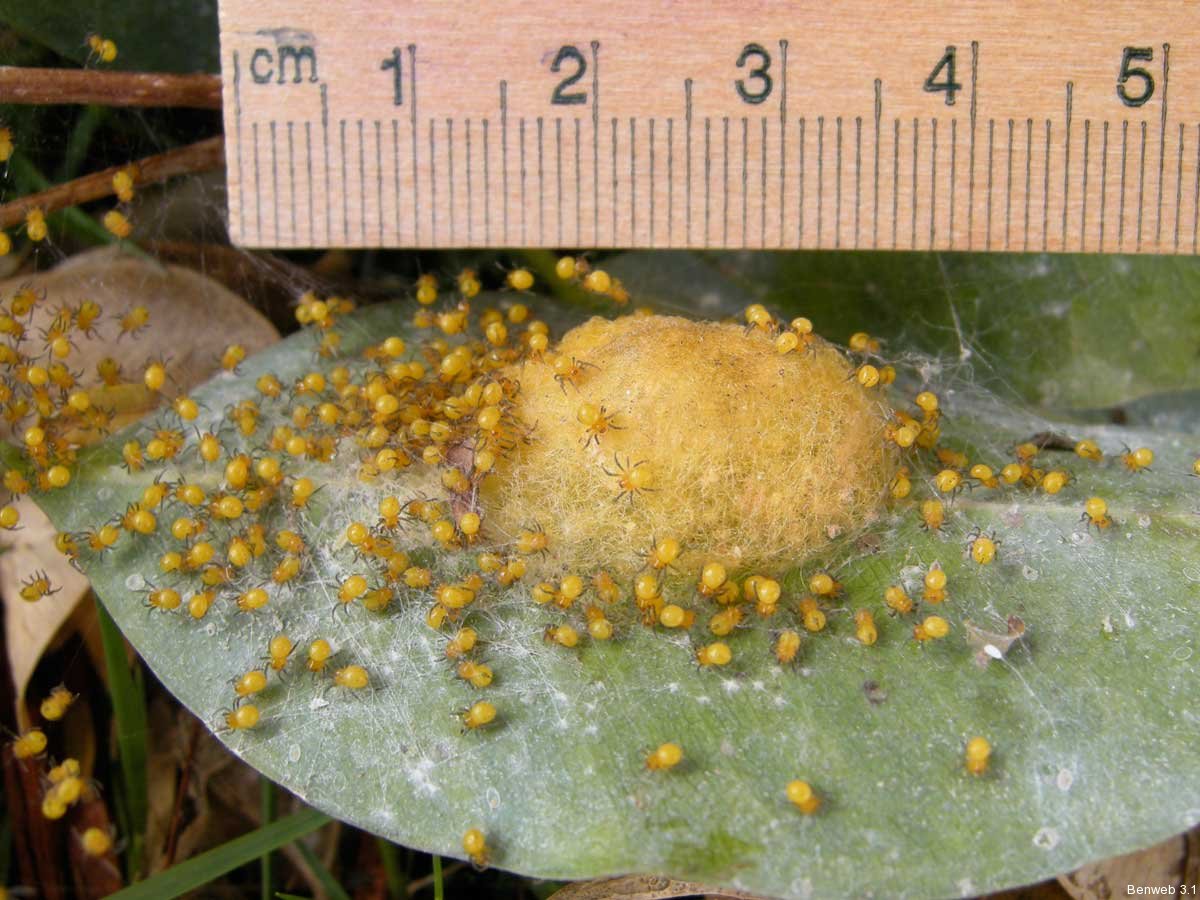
[[1091, 714], [151, 35], [1059, 331], [200, 870]]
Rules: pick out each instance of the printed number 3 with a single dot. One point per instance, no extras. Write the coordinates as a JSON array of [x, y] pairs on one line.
[[757, 74]]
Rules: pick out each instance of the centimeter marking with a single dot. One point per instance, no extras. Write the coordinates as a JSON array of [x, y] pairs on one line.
[[327, 146]]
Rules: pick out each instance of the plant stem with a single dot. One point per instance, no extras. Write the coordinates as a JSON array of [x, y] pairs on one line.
[[70, 86], [439, 889], [198, 157]]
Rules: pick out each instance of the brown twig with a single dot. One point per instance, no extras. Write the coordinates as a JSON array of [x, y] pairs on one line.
[[198, 157], [19, 84], [185, 777]]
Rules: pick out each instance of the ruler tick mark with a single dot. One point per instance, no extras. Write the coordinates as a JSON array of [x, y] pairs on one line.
[[820, 177], [724, 181], [783, 49], [875, 189], [595, 142], [800, 226], [1046, 192], [558, 176], [762, 225], [653, 186], [524, 173], [971, 161], [239, 228], [1121, 208], [487, 186], [837, 179], [433, 202], [292, 183], [450, 176], [1162, 142], [1008, 189], [745, 175], [416, 181], [1196, 197], [912, 238], [1067, 170], [708, 180], [857, 176], [470, 189], [504, 158], [953, 180], [541, 187], [578, 182], [325, 164], [362, 185], [378, 177], [895, 180], [988, 234], [933, 183], [257, 185], [1141, 187], [342, 184], [274, 183], [687, 94], [1028, 177], [1178, 186], [670, 181], [1087, 129], [613, 204], [1103, 182], [312, 240], [633, 180]]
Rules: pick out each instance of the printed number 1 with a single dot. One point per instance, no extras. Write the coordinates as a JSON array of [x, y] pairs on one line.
[[949, 85], [394, 62]]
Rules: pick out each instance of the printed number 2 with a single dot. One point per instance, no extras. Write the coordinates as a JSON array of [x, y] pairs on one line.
[[758, 74], [949, 85], [1128, 72], [566, 54]]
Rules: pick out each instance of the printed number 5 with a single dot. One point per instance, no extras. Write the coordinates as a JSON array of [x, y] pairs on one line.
[[1128, 72]]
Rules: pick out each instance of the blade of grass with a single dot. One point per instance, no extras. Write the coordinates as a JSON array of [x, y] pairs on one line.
[[89, 119], [129, 716], [267, 809], [439, 888], [333, 889], [396, 878], [200, 870]]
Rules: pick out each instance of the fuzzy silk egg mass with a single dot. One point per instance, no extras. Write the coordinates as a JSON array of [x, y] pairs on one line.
[[650, 426]]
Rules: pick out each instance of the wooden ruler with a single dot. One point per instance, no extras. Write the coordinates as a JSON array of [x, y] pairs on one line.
[[1003, 126]]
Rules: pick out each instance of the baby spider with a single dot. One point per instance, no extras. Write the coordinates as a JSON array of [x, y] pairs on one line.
[[1137, 460], [982, 546], [568, 370], [631, 478], [1095, 512], [596, 420]]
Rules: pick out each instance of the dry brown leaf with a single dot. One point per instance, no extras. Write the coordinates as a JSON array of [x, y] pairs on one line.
[[643, 887], [192, 319], [30, 627], [1159, 866]]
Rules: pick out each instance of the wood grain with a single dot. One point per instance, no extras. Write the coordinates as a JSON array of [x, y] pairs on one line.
[[847, 149]]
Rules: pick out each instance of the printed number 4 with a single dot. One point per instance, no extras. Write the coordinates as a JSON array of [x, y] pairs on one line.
[[947, 84]]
